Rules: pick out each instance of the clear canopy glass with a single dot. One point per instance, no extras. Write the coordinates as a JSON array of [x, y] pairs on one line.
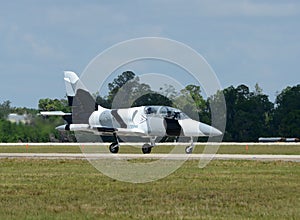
[[166, 112]]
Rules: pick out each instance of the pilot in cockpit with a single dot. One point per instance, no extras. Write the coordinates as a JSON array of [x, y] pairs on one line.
[[149, 110]]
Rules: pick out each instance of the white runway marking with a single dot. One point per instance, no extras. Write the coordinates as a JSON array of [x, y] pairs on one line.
[[258, 157], [158, 144]]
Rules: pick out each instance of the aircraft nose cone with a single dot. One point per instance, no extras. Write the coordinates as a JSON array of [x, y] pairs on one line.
[[208, 130]]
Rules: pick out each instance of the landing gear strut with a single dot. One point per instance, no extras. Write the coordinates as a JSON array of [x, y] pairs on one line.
[[189, 149], [114, 147]]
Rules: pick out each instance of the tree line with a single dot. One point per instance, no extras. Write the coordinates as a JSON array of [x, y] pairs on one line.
[[250, 114], [37, 130]]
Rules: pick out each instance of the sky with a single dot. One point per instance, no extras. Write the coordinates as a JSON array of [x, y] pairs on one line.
[[244, 41]]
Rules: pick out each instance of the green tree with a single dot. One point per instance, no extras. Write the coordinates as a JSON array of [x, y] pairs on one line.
[[54, 105], [5, 109], [131, 91], [126, 90], [190, 101], [248, 114], [118, 83], [286, 118], [152, 99]]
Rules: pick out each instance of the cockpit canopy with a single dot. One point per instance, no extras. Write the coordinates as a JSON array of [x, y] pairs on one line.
[[166, 112]]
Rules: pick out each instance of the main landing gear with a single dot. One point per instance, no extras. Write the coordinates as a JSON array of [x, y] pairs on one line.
[[146, 148]]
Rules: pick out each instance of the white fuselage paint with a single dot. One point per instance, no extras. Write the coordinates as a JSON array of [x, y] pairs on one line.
[[150, 124]]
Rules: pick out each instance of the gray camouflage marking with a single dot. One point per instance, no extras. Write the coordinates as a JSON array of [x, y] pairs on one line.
[[106, 119], [118, 118]]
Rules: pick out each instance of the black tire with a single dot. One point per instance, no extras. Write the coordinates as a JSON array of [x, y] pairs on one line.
[[146, 149], [114, 148], [188, 150]]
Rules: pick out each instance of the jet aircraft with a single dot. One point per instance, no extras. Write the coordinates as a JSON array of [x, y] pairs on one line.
[[144, 121]]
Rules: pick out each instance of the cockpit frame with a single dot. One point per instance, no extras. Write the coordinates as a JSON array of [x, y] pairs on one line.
[[165, 112]]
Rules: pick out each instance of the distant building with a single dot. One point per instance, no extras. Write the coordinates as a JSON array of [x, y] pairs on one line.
[[15, 118]]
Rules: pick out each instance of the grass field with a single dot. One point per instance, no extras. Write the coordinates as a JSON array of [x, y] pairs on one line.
[[73, 189], [227, 149]]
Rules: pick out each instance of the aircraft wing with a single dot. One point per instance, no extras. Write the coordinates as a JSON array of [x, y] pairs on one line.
[[130, 132], [102, 130], [121, 131]]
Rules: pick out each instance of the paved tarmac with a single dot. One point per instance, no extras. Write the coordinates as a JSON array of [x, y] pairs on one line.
[[257, 157]]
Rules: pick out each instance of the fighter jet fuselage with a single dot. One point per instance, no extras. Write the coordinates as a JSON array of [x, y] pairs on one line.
[[150, 121], [143, 121]]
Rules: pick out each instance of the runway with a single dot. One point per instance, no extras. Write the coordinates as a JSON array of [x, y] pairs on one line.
[[72, 156]]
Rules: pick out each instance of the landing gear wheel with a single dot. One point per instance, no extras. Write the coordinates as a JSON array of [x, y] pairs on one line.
[[146, 149], [114, 148], [189, 149]]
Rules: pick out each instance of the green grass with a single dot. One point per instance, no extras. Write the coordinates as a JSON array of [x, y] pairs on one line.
[[40, 149], [73, 189], [227, 149]]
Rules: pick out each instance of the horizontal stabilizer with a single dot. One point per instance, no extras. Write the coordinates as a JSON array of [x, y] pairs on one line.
[[55, 113]]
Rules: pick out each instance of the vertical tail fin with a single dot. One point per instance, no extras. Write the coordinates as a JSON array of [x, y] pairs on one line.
[[71, 80], [82, 102]]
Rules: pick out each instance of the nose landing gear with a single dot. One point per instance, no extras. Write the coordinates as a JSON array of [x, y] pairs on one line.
[[114, 147], [189, 149]]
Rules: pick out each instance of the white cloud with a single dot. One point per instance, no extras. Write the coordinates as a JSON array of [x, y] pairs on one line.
[[269, 9], [83, 16], [224, 8], [244, 40], [18, 43], [251, 8], [39, 48]]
